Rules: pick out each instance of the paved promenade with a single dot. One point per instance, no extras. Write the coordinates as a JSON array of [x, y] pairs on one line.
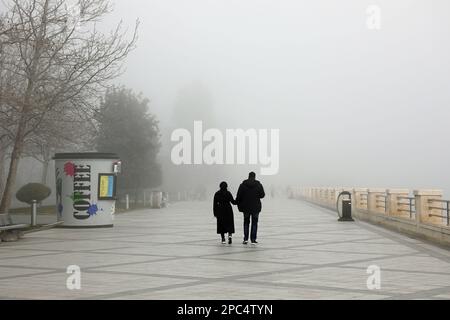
[[173, 253]]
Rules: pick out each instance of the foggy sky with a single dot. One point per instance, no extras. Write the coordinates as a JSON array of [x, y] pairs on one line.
[[354, 107]]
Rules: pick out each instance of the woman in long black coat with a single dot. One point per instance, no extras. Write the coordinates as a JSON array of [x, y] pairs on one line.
[[223, 211]]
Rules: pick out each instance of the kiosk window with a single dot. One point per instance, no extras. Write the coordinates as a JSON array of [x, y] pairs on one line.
[[106, 186]]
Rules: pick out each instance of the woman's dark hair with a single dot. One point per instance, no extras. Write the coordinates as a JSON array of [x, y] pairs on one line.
[[223, 185]]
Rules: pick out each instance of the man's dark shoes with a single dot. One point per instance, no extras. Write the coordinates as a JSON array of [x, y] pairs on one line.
[[255, 242], [245, 242]]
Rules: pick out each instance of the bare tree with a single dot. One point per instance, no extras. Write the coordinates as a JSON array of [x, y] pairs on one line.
[[59, 60], [59, 132], [5, 133]]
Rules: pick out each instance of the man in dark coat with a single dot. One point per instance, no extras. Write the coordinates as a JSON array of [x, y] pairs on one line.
[[223, 212], [248, 200]]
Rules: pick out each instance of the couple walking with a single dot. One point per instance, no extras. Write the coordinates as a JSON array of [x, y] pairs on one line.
[[248, 200]]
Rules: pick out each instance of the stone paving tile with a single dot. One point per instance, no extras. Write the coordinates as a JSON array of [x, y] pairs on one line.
[[70, 245], [411, 263], [379, 241], [174, 253], [82, 259], [199, 268], [12, 272], [392, 282], [14, 252], [232, 291], [368, 248], [24, 243], [300, 256], [186, 250], [53, 286]]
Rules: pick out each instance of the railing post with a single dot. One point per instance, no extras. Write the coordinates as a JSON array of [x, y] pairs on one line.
[[372, 199], [393, 207], [423, 210], [357, 192]]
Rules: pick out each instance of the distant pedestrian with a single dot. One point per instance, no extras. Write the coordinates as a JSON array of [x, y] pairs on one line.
[[223, 211], [248, 200]]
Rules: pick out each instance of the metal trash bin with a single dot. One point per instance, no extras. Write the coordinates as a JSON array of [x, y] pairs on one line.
[[86, 189]]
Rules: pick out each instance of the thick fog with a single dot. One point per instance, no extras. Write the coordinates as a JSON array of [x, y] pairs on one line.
[[354, 106]]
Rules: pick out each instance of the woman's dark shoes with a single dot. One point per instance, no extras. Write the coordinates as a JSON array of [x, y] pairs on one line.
[[230, 240]]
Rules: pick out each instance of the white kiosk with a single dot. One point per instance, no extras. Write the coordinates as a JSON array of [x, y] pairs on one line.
[[86, 189]]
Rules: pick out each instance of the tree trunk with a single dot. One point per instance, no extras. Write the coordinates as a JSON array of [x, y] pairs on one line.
[[45, 165], [12, 173], [46, 155], [19, 142], [26, 108], [2, 171]]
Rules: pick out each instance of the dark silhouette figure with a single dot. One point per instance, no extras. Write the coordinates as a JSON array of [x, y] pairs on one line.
[[248, 200], [223, 211]]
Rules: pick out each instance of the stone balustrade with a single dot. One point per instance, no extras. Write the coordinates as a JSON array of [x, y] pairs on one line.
[[418, 212]]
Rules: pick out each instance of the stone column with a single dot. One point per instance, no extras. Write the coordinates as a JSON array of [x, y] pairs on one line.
[[332, 196], [321, 191], [372, 199], [357, 192], [329, 195], [423, 210], [315, 194], [393, 207]]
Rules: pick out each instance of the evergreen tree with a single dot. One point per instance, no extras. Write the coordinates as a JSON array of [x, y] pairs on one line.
[[127, 128]]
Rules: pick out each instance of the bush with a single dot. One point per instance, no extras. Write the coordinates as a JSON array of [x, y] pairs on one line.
[[33, 191]]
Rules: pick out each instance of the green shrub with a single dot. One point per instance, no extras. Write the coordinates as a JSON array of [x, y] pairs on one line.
[[33, 191]]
